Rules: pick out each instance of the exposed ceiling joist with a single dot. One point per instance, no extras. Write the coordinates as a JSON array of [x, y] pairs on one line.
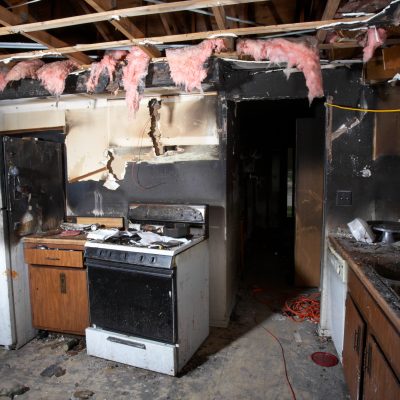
[[101, 27], [254, 30], [124, 25], [8, 18], [111, 15], [219, 15], [329, 12], [165, 21]]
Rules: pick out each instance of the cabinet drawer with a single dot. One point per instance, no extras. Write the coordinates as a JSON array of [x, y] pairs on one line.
[[59, 258]]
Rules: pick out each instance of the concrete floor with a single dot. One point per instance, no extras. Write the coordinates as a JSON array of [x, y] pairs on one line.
[[240, 362]]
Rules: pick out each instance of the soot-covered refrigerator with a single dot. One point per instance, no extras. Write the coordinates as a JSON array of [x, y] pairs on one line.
[[32, 200]]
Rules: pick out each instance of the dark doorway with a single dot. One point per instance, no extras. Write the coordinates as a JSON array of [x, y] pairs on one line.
[[268, 142]]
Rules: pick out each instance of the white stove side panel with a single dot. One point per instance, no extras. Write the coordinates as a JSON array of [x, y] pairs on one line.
[[155, 356], [192, 268]]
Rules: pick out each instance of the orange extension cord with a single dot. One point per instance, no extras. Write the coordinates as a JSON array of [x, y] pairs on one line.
[[303, 307]]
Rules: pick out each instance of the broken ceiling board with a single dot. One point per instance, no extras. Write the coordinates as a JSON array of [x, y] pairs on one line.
[[86, 142], [10, 121], [391, 57], [120, 13]]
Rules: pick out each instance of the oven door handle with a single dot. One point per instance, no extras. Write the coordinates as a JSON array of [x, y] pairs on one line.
[[126, 342], [161, 273]]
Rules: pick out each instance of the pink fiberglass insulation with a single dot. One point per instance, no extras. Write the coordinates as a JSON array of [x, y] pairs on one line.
[[53, 75], [24, 69], [133, 77], [375, 38], [108, 63], [187, 64], [295, 54], [3, 82]]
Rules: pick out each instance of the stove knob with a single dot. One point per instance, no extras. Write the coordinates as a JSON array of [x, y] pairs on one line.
[[153, 260]]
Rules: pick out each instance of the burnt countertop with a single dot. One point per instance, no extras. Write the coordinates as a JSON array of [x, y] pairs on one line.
[[363, 258]]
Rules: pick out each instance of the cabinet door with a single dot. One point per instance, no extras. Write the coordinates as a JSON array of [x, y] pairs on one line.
[[59, 299], [354, 332], [379, 379]]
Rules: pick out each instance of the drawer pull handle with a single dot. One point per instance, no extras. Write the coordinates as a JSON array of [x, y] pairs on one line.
[[63, 283], [357, 337], [368, 359], [52, 258], [127, 342]]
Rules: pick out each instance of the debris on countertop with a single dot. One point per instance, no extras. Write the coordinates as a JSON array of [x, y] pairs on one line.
[[376, 262]]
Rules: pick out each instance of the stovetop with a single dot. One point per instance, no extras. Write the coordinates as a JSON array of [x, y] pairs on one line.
[[130, 243]]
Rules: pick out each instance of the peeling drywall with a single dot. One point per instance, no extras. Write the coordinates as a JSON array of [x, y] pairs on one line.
[[154, 131], [101, 142]]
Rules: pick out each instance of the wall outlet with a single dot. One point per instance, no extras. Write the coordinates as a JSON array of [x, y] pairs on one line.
[[344, 197]]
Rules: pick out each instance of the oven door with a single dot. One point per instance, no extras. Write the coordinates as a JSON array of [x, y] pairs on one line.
[[133, 300]]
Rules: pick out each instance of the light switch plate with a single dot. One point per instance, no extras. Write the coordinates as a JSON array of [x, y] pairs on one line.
[[344, 197]]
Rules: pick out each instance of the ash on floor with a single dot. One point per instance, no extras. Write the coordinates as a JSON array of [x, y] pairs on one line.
[[241, 362]]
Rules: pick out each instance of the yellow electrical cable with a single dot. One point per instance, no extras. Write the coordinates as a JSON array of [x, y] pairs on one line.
[[361, 109]]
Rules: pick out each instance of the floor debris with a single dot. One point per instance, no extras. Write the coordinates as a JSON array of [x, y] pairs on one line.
[[236, 363], [15, 390]]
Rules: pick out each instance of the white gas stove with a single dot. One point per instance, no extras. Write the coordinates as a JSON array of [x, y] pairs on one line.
[[149, 298]]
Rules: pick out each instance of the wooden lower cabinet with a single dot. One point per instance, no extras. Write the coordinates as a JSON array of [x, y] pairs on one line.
[[371, 355], [59, 298], [379, 379], [353, 346], [58, 286]]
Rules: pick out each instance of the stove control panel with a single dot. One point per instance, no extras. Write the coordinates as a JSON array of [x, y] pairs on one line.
[[129, 257]]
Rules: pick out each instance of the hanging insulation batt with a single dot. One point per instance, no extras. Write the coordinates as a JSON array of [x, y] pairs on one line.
[[374, 39], [108, 63], [3, 82], [295, 54], [53, 75], [133, 77], [24, 69], [187, 64]]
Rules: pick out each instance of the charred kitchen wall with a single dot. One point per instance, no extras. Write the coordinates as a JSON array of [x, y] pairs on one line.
[[112, 161], [189, 132], [362, 149]]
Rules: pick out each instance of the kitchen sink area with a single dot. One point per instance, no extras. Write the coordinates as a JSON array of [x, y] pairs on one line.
[[372, 317], [377, 265], [390, 276]]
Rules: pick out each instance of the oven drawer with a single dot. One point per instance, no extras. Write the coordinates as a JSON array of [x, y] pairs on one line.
[[138, 352], [59, 258]]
